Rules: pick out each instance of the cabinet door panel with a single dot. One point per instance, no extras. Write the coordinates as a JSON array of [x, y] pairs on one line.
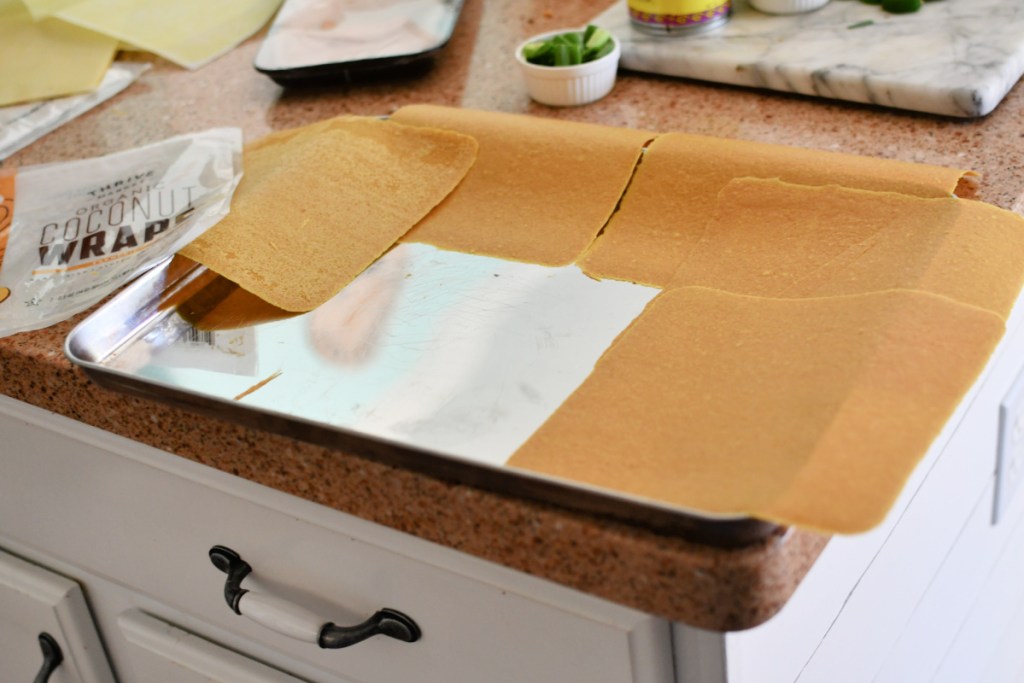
[[147, 520], [33, 602]]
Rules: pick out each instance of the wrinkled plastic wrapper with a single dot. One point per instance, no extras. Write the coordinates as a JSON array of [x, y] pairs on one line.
[[23, 124], [77, 231]]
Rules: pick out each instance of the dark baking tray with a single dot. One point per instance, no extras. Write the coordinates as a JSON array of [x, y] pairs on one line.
[[312, 41]]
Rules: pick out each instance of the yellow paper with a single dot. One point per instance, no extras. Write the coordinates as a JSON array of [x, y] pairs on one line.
[[189, 33], [811, 412], [49, 58], [673, 193], [40, 9], [769, 238]]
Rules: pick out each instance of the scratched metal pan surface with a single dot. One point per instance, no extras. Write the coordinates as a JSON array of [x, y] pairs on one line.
[[431, 360]]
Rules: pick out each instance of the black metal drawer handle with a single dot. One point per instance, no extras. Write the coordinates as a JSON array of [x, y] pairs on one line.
[[52, 657], [294, 621]]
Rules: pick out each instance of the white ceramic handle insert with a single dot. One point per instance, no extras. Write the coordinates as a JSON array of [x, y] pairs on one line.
[[282, 616]]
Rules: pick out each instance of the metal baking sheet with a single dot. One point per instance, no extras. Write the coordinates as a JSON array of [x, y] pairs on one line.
[[434, 360]]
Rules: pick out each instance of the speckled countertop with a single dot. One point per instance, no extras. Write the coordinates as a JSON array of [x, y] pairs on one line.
[[704, 586]]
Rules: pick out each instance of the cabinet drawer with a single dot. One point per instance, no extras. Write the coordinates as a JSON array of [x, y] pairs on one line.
[[147, 520], [159, 652]]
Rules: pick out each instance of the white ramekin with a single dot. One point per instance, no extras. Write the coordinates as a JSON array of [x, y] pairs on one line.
[[787, 6], [568, 86]]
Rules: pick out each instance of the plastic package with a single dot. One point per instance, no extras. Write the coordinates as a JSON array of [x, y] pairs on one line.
[[71, 233], [23, 124]]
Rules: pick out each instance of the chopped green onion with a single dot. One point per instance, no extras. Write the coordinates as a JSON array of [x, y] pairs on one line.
[[534, 51], [901, 6], [561, 54], [590, 55], [897, 6], [570, 39], [596, 39], [570, 48]]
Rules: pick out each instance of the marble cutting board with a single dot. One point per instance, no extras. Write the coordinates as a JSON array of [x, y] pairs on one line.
[[954, 57]]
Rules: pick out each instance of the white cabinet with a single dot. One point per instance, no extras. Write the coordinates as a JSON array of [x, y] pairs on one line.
[[46, 630], [933, 593], [136, 525], [158, 652]]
